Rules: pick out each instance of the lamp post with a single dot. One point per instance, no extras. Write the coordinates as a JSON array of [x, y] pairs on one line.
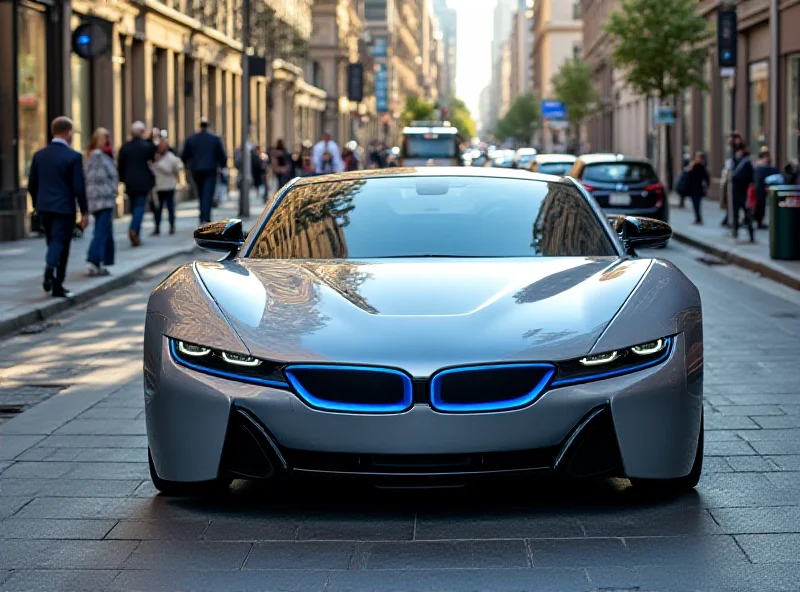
[[244, 191]]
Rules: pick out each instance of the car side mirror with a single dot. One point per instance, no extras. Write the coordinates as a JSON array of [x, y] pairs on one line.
[[636, 232], [226, 236]]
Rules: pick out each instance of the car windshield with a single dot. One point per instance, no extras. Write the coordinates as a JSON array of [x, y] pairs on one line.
[[555, 168], [619, 172], [420, 216], [418, 146]]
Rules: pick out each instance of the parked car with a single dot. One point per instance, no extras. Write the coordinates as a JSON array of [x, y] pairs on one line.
[[552, 164], [523, 157], [623, 185]]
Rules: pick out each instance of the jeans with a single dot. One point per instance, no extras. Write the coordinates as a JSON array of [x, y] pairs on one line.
[[696, 199], [206, 182], [138, 204], [166, 197], [58, 235], [740, 205], [101, 249]]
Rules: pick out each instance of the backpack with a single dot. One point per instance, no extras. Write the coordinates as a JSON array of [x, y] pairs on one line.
[[682, 186]]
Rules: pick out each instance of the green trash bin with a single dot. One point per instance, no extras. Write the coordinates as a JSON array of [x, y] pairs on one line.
[[784, 222]]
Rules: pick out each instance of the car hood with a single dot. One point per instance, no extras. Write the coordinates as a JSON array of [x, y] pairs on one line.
[[421, 315]]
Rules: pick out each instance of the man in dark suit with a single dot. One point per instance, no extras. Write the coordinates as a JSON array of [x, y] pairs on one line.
[[204, 155], [56, 184], [133, 163]]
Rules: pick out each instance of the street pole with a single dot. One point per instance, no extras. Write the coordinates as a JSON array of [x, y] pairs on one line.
[[244, 192], [774, 95], [731, 211]]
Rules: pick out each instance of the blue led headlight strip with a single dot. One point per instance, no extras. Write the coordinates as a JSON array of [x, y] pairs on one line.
[[221, 373], [405, 404], [441, 405], [665, 353]]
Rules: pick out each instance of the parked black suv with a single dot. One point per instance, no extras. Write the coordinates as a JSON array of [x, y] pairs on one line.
[[623, 185]]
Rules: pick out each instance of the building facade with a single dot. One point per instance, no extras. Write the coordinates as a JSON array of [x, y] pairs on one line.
[[557, 37], [169, 64], [501, 60], [448, 26], [336, 42], [764, 109]]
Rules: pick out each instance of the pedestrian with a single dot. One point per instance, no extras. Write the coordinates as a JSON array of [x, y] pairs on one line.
[[697, 181], [167, 169], [763, 169], [56, 183], [326, 156], [204, 155], [281, 164], [742, 178], [350, 161], [134, 161], [102, 188]]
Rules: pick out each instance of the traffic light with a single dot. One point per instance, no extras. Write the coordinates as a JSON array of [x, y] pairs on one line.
[[727, 37], [92, 38], [355, 83]]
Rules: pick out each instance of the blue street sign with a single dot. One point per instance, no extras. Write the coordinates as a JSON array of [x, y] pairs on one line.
[[553, 110], [381, 88]]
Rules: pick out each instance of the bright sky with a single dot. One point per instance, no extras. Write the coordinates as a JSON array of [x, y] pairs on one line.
[[473, 61]]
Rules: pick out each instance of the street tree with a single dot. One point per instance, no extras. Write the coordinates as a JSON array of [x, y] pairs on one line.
[[417, 109], [661, 45], [572, 85], [461, 119], [521, 120]]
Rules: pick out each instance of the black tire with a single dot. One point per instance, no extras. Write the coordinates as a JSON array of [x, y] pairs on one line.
[[213, 488], [667, 487]]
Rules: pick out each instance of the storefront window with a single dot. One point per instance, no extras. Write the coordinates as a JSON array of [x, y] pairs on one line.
[[31, 84], [792, 111], [81, 98], [759, 100]]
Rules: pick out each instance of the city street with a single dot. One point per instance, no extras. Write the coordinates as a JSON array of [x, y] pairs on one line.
[[79, 512]]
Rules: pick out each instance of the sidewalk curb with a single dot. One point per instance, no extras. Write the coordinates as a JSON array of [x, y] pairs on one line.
[[755, 266], [56, 306]]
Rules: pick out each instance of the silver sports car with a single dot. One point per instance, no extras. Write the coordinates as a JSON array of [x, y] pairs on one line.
[[426, 326]]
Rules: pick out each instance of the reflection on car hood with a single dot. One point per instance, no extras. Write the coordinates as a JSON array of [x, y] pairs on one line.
[[421, 315]]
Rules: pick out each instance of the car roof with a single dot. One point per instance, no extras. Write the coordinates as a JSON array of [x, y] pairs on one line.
[[525, 151], [484, 172], [540, 158], [610, 157]]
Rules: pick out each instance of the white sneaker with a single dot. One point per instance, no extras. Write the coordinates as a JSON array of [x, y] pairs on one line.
[[92, 270]]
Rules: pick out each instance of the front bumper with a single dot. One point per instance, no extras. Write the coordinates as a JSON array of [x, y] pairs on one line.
[[653, 417]]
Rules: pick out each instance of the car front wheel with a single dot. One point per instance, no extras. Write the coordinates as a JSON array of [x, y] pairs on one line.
[[675, 486], [213, 488]]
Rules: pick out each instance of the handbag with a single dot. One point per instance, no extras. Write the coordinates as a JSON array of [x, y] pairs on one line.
[[682, 186], [752, 197]]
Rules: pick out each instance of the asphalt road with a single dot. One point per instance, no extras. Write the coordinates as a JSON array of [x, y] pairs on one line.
[[79, 513]]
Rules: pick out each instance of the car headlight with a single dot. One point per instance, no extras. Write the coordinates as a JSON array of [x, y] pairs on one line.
[[227, 364], [613, 363]]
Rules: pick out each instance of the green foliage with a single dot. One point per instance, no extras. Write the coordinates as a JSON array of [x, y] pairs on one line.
[[660, 44], [416, 109], [461, 119], [521, 120], [572, 86]]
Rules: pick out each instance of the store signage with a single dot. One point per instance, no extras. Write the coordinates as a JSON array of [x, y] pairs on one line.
[[381, 88], [664, 116]]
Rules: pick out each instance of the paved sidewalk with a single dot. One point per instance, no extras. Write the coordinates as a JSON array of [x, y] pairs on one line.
[[717, 240], [22, 300]]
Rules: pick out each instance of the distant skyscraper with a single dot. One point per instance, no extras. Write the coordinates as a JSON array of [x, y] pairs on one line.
[[448, 23]]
